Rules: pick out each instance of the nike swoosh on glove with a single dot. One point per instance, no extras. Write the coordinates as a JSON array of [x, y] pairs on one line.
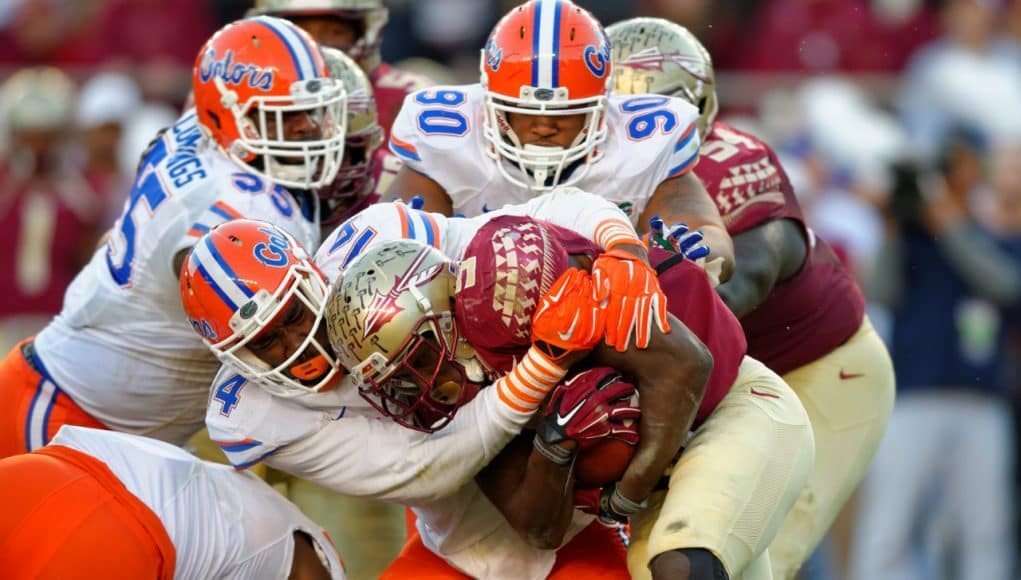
[[570, 316], [591, 405]]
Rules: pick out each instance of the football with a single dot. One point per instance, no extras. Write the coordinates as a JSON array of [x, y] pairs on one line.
[[602, 462]]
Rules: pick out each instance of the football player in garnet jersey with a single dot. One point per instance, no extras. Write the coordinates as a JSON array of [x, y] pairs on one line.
[[266, 130], [356, 28], [542, 116], [801, 311], [395, 321]]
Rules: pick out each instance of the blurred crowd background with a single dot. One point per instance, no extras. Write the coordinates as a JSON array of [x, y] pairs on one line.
[[898, 121]]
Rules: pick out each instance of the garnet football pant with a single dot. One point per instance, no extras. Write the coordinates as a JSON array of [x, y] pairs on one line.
[[738, 476], [32, 406], [848, 395], [66, 515]]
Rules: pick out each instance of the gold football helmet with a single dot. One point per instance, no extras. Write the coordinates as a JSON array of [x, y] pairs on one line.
[[390, 320], [653, 55], [364, 137], [370, 16]]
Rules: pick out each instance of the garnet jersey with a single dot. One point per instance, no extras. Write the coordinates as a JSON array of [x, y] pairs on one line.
[[390, 86], [385, 166], [439, 133], [122, 348], [810, 313], [223, 524]]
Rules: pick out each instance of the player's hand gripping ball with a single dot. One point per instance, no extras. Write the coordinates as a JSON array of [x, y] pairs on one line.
[[598, 409]]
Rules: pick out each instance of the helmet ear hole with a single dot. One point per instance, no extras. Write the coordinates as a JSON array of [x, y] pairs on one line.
[[216, 119], [702, 104]]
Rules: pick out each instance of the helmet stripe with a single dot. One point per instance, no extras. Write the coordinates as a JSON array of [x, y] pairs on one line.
[[555, 64], [544, 44], [304, 62], [216, 288], [220, 276]]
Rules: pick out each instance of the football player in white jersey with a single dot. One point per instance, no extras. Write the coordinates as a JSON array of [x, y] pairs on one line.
[[267, 128], [543, 116], [265, 324], [114, 505]]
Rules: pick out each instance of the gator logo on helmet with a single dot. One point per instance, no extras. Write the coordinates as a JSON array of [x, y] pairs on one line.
[[204, 329], [234, 73], [248, 310], [598, 59]]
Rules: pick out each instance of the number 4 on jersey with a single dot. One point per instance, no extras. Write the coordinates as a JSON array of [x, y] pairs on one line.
[[228, 393]]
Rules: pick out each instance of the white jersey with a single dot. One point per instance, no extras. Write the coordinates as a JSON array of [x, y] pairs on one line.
[[223, 524], [121, 348], [567, 207], [439, 133]]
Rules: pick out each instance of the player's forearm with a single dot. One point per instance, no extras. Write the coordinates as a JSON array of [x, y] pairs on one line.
[[684, 199], [534, 494], [544, 502], [721, 248], [669, 397]]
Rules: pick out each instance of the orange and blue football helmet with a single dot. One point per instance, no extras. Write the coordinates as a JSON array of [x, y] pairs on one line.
[[237, 281], [252, 80], [545, 57]]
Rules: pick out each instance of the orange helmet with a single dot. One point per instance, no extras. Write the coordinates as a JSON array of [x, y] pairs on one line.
[[545, 57], [250, 80], [237, 281]]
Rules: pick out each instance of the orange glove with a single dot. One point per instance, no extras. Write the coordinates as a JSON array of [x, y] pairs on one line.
[[636, 301], [571, 315]]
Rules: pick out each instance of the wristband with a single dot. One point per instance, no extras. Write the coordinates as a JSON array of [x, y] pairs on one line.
[[554, 453]]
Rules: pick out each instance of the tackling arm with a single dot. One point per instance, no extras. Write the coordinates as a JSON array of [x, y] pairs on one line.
[[685, 199], [378, 458], [770, 253]]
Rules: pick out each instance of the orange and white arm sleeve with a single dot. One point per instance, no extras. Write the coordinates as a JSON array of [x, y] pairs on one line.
[[522, 391]]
